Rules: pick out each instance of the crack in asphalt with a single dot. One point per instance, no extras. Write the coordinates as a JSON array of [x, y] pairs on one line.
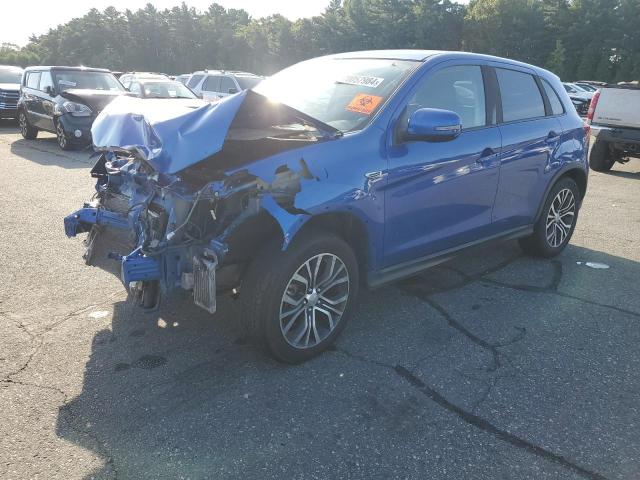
[[467, 416], [488, 427], [474, 420], [551, 288]]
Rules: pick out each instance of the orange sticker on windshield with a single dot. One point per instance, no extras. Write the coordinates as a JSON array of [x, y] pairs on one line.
[[364, 103]]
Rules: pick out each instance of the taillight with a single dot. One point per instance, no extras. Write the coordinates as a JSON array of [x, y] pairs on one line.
[[592, 106]]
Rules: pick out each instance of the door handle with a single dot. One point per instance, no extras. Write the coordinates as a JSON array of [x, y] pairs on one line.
[[487, 155]]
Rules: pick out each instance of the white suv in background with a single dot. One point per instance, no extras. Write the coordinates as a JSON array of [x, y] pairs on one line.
[[212, 85]]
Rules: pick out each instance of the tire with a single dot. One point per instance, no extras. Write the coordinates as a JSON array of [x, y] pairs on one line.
[[553, 231], [61, 137], [28, 132], [297, 328], [600, 157]]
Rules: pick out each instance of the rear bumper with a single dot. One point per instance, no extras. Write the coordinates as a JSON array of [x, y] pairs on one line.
[[625, 139]]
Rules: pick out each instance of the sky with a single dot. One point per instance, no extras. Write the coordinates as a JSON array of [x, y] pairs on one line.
[[38, 16]]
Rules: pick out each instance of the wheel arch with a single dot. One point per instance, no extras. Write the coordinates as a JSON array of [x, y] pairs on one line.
[[577, 174], [248, 239]]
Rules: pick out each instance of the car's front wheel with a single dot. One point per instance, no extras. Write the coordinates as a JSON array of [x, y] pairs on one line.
[[554, 228], [26, 130], [298, 301], [63, 139]]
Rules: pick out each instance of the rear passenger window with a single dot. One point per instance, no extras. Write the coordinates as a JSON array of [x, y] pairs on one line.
[[211, 84], [554, 100], [459, 89], [227, 84], [194, 80], [33, 80], [521, 98]]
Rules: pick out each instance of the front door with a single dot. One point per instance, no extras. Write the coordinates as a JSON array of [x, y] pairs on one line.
[[440, 195]]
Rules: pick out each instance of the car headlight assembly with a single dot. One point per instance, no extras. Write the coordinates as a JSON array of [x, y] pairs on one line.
[[75, 109]]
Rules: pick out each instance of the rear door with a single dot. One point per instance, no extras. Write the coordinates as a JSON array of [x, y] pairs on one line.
[[211, 88], [529, 140], [227, 86]]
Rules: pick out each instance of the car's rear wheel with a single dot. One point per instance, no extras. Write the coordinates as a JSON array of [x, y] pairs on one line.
[[28, 132], [297, 302], [63, 139], [554, 228], [601, 158]]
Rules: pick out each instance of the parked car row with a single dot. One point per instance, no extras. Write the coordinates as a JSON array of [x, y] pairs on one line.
[[66, 100]]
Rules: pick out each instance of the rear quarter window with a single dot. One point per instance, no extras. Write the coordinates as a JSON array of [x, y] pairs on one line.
[[521, 98], [554, 100]]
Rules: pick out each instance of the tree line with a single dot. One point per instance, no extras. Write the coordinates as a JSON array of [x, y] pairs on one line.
[[576, 39]]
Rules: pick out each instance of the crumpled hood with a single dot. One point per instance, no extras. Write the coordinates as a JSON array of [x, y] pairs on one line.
[[96, 100], [173, 136], [168, 135]]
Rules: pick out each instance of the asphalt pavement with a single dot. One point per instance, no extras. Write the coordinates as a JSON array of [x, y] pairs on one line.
[[494, 365]]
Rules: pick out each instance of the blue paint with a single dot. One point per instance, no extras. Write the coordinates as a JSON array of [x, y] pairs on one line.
[[412, 197]]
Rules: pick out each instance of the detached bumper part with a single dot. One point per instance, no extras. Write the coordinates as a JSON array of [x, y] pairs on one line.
[[138, 268], [204, 282], [82, 220]]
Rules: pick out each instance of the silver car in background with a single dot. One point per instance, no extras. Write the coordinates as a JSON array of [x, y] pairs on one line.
[[212, 85]]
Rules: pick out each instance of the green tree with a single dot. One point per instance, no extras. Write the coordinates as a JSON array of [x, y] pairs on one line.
[[558, 60]]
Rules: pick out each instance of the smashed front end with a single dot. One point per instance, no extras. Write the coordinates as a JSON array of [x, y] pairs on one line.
[[172, 193]]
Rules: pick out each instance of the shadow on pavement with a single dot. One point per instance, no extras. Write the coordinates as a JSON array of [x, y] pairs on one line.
[[44, 150], [524, 345], [623, 174]]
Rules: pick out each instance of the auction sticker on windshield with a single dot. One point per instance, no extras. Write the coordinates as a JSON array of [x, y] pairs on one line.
[[361, 80], [364, 103]]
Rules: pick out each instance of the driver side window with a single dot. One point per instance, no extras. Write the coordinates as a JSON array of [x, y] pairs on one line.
[[459, 89]]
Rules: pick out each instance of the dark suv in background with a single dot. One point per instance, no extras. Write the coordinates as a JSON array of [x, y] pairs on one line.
[[9, 90], [65, 101]]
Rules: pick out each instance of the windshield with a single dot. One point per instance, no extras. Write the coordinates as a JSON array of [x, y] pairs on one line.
[[10, 75], [66, 80], [343, 93], [166, 90], [248, 82]]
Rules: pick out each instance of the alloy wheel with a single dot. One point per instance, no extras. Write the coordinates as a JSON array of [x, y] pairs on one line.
[[62, 138], [560, 217], [314, 301], [22, 120]]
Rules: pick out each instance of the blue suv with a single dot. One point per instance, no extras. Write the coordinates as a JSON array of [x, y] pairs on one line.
[[363, 167]]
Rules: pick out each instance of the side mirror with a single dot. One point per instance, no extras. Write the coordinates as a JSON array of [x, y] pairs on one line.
[[433, 124], [233, 90], [49, 90]]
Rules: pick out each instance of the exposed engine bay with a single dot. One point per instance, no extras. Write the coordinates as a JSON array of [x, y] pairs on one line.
[[172, 193]]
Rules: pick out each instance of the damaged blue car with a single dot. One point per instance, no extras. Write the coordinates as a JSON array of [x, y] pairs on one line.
[[358, 168]]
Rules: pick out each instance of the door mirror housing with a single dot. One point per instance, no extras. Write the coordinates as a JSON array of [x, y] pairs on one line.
[[433, 124], [233, 90], [49, 90]]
